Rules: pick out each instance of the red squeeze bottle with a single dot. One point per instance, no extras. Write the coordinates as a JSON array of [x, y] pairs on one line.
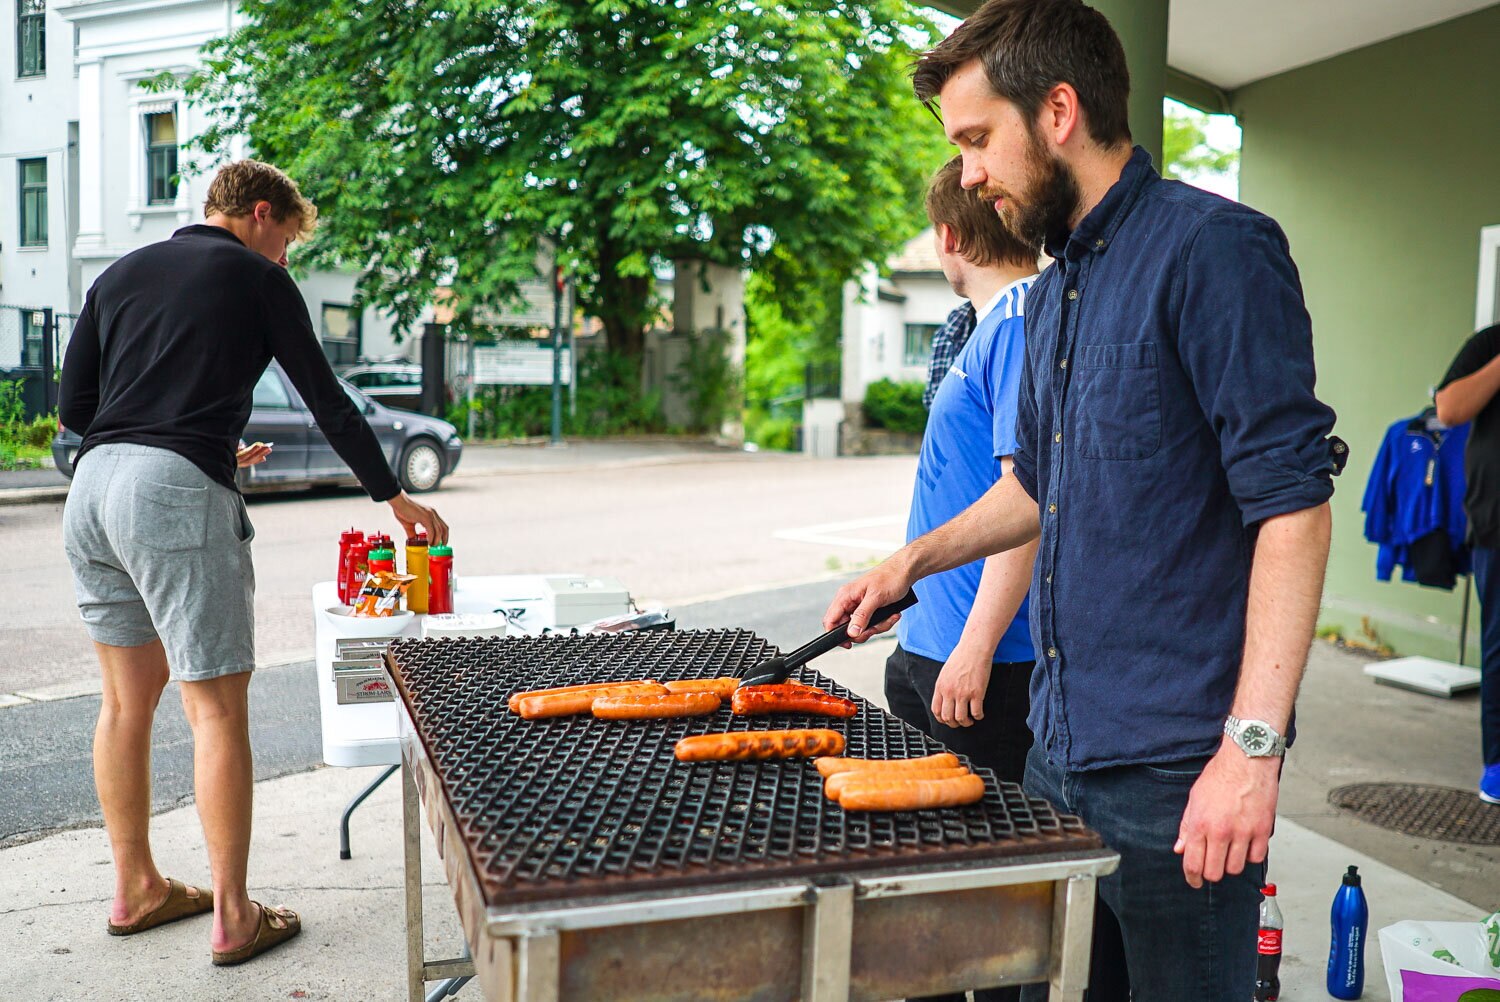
[[359, 567], [346, 540], [440, 568]]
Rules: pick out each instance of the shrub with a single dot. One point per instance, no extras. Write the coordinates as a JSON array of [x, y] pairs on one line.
[[895, 406], [770, 432], [38, 433]]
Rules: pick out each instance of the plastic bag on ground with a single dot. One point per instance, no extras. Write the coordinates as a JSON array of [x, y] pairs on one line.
[[1440, 961]]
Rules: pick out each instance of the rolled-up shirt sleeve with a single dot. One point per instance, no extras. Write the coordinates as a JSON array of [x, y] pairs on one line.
[[1245, 340]]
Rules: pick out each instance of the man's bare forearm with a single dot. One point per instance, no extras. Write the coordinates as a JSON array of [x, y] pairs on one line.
[[1462, 400], [1003, 519], [1286, 589]]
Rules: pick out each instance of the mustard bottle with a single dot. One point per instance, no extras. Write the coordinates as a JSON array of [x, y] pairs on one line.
[[416, 565]]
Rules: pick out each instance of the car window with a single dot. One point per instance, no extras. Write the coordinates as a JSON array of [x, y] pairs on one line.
[[407, 378], [270, 392], [359, 398]]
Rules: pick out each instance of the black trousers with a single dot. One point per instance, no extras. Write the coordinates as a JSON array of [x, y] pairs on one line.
[[1000, 741]]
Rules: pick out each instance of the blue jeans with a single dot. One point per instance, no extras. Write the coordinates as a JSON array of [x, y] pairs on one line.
[[1487, 583], [1154, 935]]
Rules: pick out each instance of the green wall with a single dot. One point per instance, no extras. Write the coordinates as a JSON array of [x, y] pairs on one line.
[[1382, 165]]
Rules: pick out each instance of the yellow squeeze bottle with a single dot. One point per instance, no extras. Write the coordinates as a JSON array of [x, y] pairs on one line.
[[416, 565]]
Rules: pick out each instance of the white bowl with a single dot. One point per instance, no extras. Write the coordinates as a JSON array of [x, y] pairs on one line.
[[344, 623]]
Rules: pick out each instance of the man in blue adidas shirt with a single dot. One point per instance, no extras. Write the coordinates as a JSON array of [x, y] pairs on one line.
[[962, 667]]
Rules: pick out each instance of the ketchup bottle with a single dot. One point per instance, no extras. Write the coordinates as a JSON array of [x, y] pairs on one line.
[[383, 559], [440, 567], [359, 568], [346, 540]]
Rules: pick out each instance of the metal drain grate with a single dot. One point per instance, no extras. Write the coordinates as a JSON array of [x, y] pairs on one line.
[[1435, 812]]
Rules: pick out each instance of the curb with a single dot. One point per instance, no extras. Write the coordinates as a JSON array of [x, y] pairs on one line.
[[32, 495]]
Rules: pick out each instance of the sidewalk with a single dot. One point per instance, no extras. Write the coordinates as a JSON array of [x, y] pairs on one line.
[[56, 889], [479, 460]]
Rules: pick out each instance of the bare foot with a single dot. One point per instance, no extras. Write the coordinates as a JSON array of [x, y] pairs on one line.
[[132, 906]]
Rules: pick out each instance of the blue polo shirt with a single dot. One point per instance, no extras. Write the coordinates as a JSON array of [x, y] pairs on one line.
[[1167, 410], [972, 424]]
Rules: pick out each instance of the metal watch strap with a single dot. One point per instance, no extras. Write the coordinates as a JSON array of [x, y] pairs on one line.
[[1235, 727]]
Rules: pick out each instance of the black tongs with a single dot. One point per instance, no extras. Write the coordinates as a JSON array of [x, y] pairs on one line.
[[774, 670]]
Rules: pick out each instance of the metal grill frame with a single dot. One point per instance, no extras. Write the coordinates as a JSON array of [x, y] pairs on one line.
[[517, 946]]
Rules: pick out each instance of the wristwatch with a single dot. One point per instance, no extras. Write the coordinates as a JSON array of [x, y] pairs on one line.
[[1256, 738]]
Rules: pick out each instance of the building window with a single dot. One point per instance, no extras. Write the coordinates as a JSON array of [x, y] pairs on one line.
[[33, 177], [161, 158], [919, 343], [340, 334], [31, 38], [33, 329]]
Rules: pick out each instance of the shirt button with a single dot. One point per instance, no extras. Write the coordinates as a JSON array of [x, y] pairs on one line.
[[1098, 245], [1052, 509], [1052, 652], [1057, 437], [1049, 578], [1072, 293], [1063, 364]]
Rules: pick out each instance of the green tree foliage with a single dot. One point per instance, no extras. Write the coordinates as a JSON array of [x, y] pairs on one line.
[[1185, 147], [442, 138], [895, 406]]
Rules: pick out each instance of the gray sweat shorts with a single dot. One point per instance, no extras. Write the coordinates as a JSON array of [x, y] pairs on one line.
[[160, 550]]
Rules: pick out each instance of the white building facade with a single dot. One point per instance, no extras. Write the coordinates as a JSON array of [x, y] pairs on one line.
[[89, 161], [889, 322]]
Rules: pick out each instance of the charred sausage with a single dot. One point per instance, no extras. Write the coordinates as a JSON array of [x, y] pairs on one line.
[[515, 701], [672, 704], [836, 784], [942, 760], [563, 704], [753, 701], [912, 794], [759, 744], [721, 687]]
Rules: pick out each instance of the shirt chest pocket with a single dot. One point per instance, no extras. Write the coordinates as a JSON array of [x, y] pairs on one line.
[[1115, 401]]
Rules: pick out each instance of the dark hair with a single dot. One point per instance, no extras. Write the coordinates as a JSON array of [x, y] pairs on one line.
[[1027, 47], [982, 238]]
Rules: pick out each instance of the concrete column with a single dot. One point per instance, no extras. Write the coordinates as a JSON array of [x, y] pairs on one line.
[[1142, 27], [90, 156]]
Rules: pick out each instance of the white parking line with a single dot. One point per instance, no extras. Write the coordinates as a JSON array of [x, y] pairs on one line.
[[831, 533]]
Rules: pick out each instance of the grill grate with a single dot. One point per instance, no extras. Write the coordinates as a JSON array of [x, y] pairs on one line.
[[573, 805]]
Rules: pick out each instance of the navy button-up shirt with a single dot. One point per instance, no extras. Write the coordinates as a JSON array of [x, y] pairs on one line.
[[1167, 408]]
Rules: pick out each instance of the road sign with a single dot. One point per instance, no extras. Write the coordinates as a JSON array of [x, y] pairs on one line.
[[518, 363]]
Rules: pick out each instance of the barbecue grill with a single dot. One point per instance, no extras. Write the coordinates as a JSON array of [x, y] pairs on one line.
[[587, 863]]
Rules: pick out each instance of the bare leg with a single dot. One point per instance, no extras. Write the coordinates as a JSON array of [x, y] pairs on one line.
[[223, 779], [133, 681]]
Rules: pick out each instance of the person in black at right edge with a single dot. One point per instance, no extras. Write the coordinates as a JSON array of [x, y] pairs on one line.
[[158, 380], [1467, 394]]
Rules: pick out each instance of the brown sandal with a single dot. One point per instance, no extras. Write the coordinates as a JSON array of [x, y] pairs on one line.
[[277, 925], [183, 901]]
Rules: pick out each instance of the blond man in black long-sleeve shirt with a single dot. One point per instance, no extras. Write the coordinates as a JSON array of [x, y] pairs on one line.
[[158, 380]]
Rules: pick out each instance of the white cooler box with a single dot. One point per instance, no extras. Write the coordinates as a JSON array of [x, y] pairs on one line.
[[572, 601]]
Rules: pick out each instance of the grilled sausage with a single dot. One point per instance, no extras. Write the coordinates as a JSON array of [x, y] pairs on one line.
[[721, 687], [753, 701], [836, 784], [563, 704], [942, 760], [785, 687], [673, 704], [759, 744], [912, 794], [515, 701]]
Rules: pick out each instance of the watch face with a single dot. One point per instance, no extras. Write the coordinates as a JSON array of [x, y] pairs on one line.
[[1256, 738]]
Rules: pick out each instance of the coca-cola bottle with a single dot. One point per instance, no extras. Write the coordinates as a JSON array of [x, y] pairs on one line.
[[1268, 963]]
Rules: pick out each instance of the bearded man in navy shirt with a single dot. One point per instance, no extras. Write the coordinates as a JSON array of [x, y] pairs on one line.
[[1174, 465]]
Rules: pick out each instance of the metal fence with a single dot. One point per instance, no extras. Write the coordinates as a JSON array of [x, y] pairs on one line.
[[33, 341]]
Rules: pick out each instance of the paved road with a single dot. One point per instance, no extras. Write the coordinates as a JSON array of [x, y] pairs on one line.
[[675, 522], [46, 778]]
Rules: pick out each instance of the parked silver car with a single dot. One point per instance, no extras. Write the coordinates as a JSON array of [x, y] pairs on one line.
[[422, 450]]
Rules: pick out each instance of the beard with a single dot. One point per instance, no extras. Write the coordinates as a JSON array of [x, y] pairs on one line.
[[1044, 211]]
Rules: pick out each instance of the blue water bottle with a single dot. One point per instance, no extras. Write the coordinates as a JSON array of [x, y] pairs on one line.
[[1346, 955]]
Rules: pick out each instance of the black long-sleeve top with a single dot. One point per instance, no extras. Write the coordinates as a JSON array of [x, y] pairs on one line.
[[171, 342]]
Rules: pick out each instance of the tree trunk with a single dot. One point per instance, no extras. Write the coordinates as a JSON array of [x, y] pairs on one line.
[[622, 304]]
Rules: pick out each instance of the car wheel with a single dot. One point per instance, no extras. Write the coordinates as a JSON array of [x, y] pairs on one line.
[[421, 467]]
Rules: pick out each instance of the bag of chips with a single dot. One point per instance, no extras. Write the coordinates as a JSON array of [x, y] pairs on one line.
[[381, 594]]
